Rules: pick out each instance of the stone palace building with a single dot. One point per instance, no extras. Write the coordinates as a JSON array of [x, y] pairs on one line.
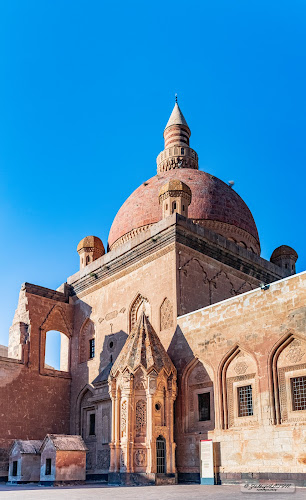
[[180, 332]]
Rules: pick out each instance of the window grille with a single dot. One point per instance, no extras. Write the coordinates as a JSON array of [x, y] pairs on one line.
[[160, 455], [245, 401], [91, 348], [299, 393], [92, 424], [15, 465], [48, 467], [204, 406]]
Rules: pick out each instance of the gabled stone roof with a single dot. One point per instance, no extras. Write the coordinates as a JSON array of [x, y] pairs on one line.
[[176, 117], [31, 446], [65, 442], [143, 348]]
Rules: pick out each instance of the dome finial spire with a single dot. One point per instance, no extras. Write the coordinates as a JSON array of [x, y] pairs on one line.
[[175, 97]]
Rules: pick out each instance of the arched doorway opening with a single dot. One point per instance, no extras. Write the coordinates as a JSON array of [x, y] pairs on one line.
[[160, 455]]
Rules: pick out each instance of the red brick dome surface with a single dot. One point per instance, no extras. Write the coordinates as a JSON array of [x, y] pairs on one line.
[[212, 200]]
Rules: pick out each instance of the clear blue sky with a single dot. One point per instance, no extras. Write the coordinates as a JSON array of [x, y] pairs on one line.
[[86, 90]]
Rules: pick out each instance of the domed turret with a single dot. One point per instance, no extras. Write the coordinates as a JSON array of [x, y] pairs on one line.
[[175, 196], [89, 249], [285, 257]]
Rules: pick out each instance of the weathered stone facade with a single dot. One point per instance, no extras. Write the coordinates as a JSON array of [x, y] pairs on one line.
[[196, 289]]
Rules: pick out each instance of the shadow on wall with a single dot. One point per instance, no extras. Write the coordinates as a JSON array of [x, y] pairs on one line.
[[180, 351], [112, 346]]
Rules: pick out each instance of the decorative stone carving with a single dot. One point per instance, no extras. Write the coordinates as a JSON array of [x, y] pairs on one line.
[[141, 417], [122, 460], [241, 368], [123, 418], [140, 458], [111, 315], [295, 353], [166, 314], [103, 459], [105, 427], [137, 305], [140, 382], [230, 398], [283, 392]]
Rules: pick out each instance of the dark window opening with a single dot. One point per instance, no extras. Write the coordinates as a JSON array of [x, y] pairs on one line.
[[87, 259], [160, 455], [91, 348], [157, 406], [286, 266], [111, 344], [173, 206], [183, 208], [245, 401], [48, 467], [92, 424], [182, 151], [15, 466], [204, 406], [299, 393]]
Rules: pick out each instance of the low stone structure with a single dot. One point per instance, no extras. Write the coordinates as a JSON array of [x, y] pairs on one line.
[[63, 459], [24, 461]]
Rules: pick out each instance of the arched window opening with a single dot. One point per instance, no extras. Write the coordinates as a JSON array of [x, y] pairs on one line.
[[87, 259], [57, 351], [287, 367], [199, 409], [182, 151], [241, 405], [173, 206], [160, 455]]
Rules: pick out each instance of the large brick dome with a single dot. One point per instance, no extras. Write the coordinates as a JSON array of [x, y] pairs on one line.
[[214, 205]]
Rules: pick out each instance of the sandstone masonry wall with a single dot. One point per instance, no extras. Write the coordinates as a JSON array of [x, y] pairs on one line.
[[258, 337]]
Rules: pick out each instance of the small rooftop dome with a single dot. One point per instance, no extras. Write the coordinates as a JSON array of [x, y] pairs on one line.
[[175, 185], [91, 242], [284, 251], [89, 249]]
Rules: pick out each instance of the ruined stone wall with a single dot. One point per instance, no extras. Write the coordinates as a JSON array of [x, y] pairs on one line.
[[34, 400], [257, 339]]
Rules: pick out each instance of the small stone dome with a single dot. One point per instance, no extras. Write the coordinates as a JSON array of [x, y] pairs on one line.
[[91, 242], [284, 251], [175, 185]]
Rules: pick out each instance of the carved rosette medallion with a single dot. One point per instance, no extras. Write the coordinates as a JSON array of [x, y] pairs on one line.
[[295, 353], [140, 457]]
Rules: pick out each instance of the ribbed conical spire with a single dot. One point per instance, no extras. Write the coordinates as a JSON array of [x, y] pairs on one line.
[[176, 117], [177, 152], [143, 348]]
